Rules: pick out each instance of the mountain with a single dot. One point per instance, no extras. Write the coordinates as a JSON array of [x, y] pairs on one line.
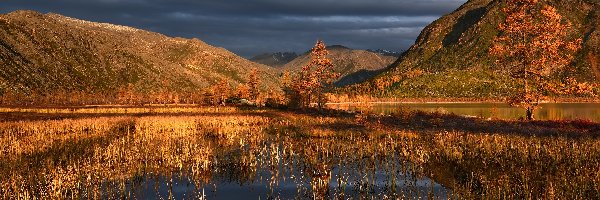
[[46, 53], [450, 57], [275, 59], [353, 65], [385, 52]]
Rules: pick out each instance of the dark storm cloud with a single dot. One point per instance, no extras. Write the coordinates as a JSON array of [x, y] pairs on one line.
[[251, 27]]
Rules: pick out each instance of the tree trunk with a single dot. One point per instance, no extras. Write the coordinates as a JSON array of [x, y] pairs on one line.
[[308, 101], [320, 101], [529, 114]]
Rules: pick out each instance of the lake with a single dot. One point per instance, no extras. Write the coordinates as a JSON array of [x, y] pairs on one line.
[[547, 111]]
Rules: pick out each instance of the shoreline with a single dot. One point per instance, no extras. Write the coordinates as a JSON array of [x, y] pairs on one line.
[[372, 101], [461, 101], [456, 102]]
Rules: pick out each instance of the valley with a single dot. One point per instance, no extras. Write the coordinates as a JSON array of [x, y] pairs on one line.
[[495, 99]]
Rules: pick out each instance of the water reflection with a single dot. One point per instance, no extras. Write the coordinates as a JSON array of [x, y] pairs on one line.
[[287, 155], [547, 111], [199, 157]]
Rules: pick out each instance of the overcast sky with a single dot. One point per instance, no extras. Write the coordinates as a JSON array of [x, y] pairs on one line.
[[251, 27]]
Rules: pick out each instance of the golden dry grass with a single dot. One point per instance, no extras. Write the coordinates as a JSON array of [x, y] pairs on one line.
[[110, 157]]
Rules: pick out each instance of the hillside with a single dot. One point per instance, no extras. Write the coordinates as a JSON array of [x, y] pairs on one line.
[[276, 60], [353, 65], [450, 57], [47, 53]]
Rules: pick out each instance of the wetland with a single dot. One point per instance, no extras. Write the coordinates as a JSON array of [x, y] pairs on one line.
[[232, 152]]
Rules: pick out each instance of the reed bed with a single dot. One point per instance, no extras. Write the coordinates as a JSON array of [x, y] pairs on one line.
[[122, 110], [516, 167], [324, 156], [17, 138], [478, 164], [82, 158]]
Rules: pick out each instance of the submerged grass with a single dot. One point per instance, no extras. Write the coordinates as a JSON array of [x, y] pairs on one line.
[[324, 155]]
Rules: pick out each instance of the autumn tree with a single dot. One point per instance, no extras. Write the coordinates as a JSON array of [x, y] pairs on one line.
[[127, 95], [380, 85], [286, 79], [316, 78], [253, 84], [290, 95], [243, 92], [222, 91], [163, 94], [208, 96], [532, 46]]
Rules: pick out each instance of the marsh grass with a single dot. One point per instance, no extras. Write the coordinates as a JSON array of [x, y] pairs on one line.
[[61, 156], [323, 155], [124, 110]]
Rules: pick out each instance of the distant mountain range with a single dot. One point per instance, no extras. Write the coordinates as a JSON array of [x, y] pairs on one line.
[[46, 53], [353, 65], [275, 59], [450, 57], [386, 52], [279, 59]]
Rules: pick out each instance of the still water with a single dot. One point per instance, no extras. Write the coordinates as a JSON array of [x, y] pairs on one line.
[[282, 169], [547, 111], [283, 155], [214, 157]]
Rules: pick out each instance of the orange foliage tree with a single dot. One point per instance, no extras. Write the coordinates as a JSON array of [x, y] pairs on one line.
[[286, 79], [127, 95], [315, 79], [253, 83], [243, 92], [532, 46], [222, 92]]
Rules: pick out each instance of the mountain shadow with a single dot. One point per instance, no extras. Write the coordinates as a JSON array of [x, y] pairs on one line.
[[358, 77], [463, 24]]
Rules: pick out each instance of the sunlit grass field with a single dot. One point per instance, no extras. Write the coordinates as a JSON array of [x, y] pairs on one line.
[[145, 152]]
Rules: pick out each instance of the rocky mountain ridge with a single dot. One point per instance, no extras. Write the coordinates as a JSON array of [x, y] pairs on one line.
[[46, 53]]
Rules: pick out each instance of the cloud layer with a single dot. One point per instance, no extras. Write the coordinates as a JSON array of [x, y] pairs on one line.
[[250, 27]]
